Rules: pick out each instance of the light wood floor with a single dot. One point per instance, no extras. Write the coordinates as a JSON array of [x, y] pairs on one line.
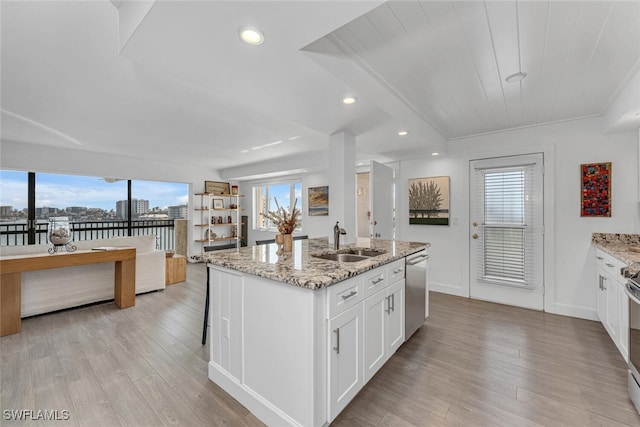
[[471, 364]]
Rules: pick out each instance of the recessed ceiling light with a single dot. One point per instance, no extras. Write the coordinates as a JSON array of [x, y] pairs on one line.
[[244, 151], [251, 35], [403, 133], [349, 100], [517, 77], [435, 154]]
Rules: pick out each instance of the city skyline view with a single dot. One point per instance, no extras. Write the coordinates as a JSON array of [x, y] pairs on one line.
[[62, 191]]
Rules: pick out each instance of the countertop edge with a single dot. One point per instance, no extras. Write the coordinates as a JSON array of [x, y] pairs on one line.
[[319, 282], [620, 254]]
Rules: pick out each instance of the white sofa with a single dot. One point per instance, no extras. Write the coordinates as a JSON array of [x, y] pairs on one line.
[[49, 290]]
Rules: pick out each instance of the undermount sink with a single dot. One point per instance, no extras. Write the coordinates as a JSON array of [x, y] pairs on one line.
[[342, 257], [363, 252], [350, 255]]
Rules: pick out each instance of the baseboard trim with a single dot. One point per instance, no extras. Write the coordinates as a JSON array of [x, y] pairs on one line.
[[265, 411], [574, 311], [444, 288]]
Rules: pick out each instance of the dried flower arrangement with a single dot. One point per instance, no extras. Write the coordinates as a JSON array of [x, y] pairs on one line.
[[285, 221]]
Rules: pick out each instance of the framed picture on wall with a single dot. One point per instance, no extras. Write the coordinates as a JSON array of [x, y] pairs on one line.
[[318, 201], [214, 187], [595, 191], [429, 201]]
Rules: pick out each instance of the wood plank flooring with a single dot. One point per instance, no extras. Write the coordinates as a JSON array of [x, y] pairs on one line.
[[472, 364]]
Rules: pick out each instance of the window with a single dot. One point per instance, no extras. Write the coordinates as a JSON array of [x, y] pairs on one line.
[[97, 207], [264, 200]]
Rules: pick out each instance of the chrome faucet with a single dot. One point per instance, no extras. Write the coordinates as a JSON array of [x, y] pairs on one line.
[[337, 231]]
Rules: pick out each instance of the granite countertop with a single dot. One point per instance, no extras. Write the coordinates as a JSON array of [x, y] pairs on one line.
[[300, 268], [619, 246]]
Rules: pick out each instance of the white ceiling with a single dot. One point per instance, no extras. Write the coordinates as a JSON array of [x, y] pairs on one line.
[[185, 89]]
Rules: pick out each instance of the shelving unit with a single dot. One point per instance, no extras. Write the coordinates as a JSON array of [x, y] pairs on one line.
[[219, 231]]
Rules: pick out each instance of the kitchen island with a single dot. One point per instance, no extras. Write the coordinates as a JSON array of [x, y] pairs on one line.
[[294, 337]]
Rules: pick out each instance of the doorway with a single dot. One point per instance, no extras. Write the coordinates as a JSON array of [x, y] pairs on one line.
[[507, 230], [363, 214]]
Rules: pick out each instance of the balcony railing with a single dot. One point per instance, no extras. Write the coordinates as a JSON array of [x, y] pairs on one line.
[[15, 234]]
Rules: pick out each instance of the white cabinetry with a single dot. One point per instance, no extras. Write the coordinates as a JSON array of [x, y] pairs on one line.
[[345, 361], [612, 301], [383, 318], [371, 309], [295, 356]]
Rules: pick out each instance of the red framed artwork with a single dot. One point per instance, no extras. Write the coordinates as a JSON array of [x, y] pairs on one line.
[[595, 194]]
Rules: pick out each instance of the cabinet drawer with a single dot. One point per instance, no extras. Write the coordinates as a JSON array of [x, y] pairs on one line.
[[395, 271], [607, 262], [344, 295], [374, 281]]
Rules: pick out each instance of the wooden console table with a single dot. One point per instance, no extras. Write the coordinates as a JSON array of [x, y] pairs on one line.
[[11, 268]]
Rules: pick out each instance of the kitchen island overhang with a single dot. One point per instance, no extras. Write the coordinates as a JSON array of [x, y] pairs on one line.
[[295, 338]]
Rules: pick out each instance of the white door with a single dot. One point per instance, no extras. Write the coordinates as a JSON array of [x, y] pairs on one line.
[[345, 359], [506, 230], [382, 201]]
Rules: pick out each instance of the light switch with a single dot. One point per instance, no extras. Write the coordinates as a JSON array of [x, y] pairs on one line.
[[225, 327]]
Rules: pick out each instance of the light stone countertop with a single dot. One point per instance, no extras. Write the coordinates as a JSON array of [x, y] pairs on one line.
[[619, 246], [300, 268]]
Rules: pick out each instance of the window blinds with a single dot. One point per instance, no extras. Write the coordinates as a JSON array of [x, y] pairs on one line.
[[507, 228]]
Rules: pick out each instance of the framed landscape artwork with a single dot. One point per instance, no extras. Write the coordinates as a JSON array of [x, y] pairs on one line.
[[595, 191], [318, 201], [429, 201]]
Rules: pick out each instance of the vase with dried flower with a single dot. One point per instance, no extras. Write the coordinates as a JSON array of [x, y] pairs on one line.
[[286, 222]]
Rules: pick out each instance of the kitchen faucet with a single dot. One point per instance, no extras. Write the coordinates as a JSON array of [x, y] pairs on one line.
[[337, 231]]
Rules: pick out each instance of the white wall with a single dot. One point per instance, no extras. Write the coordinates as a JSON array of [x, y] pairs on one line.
[[49, 159], [569, 274], [313, 226]]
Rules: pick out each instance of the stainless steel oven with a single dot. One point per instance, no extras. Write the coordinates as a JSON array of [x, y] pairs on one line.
[[633, 291]]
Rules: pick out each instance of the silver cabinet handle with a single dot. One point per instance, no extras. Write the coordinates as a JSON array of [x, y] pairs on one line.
[[604, 286], [352, 293], [388, 298], [393, 302], [378, 280], [337, 347], [397, 270], [599, 282], [609, 265], [600, 258]]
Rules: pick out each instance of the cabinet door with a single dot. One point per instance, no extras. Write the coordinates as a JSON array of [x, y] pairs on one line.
[[613, 322], [601, 295], [623, 308], [395, 317], [345, 358], [376, 310]]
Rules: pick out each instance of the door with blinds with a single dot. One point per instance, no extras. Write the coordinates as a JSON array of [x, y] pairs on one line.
[[507, 230]]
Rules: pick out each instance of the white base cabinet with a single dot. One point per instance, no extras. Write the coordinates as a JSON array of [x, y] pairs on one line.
[[345, 360], [295, 356], [612, 301]]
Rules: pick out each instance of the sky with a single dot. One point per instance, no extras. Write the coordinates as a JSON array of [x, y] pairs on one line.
[[61, 191]]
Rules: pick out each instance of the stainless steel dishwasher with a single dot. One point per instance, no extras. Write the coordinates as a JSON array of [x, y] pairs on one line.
[[416, 292]]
